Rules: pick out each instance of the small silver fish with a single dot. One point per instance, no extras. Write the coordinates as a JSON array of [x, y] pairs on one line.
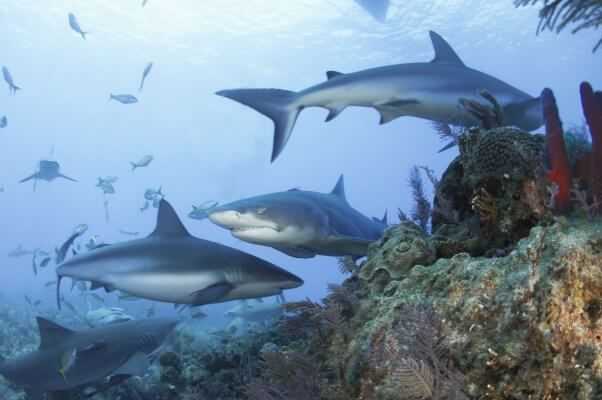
[[3, 122], [8, 78], [75, 26], [149, 66], [152, 194], [67, 362], [200, 212], [45, 262], [49, 283], [124, 98], [106, 186], [145, 206], [126, 231], [142, 163]]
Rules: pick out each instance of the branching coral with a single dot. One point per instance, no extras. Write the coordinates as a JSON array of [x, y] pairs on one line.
[[555, 15], [347, 265], [421, 208]]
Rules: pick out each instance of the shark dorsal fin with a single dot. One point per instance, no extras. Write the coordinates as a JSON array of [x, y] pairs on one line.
[[51, 332], [168, 222], [332, 74], [444, 54], [339, 189]]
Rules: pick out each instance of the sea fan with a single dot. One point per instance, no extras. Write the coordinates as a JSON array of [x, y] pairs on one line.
[[415, 379], [555, 15], [347, 265], [289, 376]]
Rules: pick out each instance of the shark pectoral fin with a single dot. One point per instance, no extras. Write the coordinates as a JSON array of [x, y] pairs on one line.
[[388, 114], [332, 74], [211, 294], [348, 245], [30, 177], [296, 252], [66, 177], [137, 364]]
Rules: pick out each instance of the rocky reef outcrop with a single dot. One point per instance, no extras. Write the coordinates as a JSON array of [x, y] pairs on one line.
[[524, 326]]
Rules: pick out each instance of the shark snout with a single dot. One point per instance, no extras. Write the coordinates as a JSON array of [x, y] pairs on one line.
[[225, 218]]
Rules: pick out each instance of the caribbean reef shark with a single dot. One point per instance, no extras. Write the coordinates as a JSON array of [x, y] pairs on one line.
[[424, 90], [172, 266], [48, 170], [301, 223], [377, 8], [119, 349]]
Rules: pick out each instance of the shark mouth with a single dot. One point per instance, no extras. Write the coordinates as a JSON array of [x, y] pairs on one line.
[[251, 228]]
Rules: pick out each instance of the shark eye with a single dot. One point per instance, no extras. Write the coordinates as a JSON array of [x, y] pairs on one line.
[[260, 210]]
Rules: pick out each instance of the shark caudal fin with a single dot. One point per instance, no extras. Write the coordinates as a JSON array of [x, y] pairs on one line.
[[278, 105]]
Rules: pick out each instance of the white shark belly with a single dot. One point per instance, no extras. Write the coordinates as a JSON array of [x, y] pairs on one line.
[[168, 287]]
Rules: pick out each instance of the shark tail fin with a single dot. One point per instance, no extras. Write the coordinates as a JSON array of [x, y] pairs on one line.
[[134, 166], [278, 105]]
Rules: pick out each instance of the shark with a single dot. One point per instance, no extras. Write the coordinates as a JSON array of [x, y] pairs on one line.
[[301, 223], [376, 8], [48, 170], [428, 90], [172, 266], [118, 350]]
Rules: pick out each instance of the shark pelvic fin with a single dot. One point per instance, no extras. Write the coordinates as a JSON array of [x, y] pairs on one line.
[[168, 222], [444, 54], [297, 252], [51, 332], [339, 189], [332, 74], [210, 294], [388, 114], [333, 112]]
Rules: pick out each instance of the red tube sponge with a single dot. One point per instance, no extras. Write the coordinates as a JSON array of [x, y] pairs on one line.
[[560, 174], [592, 110]]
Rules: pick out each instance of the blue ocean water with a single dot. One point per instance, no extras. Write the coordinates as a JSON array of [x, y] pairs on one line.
[[207, 147]]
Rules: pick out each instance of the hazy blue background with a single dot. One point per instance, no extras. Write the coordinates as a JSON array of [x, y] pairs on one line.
[[207, 147]]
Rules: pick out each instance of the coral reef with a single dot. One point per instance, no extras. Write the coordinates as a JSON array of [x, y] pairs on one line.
[[492, 194], [522, 326]]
